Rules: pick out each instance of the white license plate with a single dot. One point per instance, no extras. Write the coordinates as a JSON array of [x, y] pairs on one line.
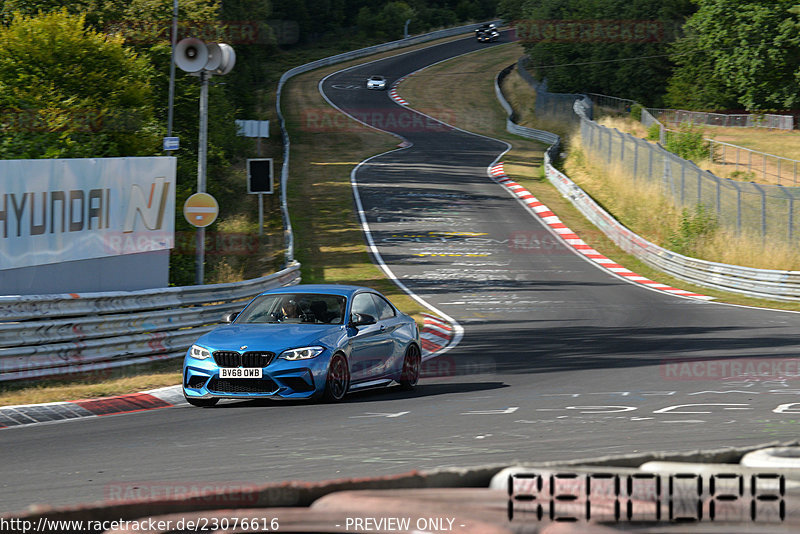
[[236, 372]]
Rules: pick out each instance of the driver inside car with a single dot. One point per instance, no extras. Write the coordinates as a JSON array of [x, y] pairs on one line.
[[289, 310]]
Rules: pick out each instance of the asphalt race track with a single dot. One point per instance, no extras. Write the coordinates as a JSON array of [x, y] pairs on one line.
[[559, 360]]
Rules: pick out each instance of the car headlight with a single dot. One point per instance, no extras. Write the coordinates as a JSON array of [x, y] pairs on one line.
[[199, 353], [304, 353]]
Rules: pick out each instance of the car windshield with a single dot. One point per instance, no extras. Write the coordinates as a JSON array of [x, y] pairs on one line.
[[294, 308]]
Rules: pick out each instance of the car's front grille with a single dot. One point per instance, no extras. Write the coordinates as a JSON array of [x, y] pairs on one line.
[[196, 381], [242, 385], [228, 358]]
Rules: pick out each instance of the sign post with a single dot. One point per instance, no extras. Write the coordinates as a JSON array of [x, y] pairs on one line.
[[201, 210], [204, 60], [259, 181]]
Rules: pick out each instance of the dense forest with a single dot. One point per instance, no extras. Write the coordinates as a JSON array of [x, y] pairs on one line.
[[692, 54]]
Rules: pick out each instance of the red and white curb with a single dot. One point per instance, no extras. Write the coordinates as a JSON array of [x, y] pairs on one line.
[[572, 240], [30, 414], [435, 335], [394, 95]]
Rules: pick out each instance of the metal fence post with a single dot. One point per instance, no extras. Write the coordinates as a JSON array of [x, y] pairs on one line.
[[683, 185], [738, 208], [699, 186], [763, 209], [737, 160], [791, 212]]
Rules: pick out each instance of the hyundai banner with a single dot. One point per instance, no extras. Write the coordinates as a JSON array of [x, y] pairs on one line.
[[58, 210]]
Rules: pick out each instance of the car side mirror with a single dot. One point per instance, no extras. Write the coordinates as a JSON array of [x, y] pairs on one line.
[[230, 317], [362, 319]]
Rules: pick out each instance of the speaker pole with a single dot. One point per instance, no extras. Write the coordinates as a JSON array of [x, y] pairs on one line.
[[171, 103], [260, 196], [202, 150]]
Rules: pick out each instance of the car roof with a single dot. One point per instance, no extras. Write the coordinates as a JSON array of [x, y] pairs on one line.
[[376, 77], [332, 289]]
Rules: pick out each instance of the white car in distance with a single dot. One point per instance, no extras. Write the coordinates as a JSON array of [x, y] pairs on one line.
[[376, 82]]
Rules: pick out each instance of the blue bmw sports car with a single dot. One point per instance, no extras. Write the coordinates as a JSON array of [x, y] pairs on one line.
[[306, 341]]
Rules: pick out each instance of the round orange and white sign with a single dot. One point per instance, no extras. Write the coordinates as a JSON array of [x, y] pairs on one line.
[[201, 209]]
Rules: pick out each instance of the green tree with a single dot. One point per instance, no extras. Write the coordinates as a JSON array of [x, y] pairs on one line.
[[601, 49], [69, 91], [393, 18], [511, 10], [691, 85], [743, 50]]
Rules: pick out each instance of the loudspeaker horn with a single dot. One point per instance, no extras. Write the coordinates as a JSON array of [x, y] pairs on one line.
[[228, 59], [214, 57], [191, 55]]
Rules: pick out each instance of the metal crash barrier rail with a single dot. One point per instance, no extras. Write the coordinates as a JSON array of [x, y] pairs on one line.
[[54, 335]]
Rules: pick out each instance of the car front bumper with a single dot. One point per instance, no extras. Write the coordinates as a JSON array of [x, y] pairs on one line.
[[301, 379]]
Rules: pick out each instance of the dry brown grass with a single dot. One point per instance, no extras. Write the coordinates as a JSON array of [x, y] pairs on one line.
[[746, 166], [784, 143], [749, 250], [624, 124], [736, 164], [523, 100], [649, 213], [611, 188], [90, 386]]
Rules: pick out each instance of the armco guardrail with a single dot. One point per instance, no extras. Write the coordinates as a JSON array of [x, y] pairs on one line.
[[333, 60], [523, 131], [759, 283], [51, 335]]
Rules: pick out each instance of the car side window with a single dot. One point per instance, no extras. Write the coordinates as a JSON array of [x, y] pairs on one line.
[[363, 304], [385, 310]]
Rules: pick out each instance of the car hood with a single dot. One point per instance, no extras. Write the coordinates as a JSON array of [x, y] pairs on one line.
[[271, 337]]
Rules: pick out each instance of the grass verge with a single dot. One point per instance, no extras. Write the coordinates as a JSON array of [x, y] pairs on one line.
[[93, 384], [729, 162]]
